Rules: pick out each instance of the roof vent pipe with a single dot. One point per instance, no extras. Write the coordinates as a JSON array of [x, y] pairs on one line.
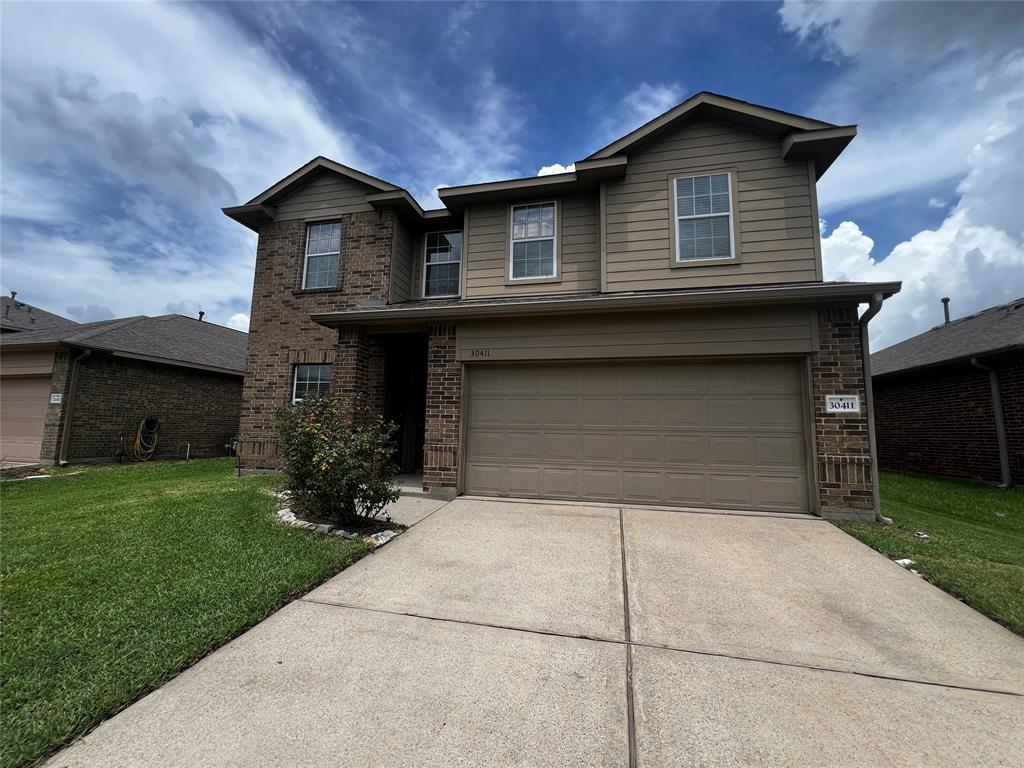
[[201, 313], [14, 294], [945, 307]]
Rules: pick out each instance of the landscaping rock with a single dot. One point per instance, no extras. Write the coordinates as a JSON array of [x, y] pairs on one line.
[[344, 534], [322, 528], [906, 562]]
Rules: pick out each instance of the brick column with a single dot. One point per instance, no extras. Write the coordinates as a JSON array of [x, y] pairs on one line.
[[844, 452], [444, 403], [350, 373]]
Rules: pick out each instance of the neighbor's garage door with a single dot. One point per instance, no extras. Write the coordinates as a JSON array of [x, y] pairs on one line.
[[694, 434], [23, 403]]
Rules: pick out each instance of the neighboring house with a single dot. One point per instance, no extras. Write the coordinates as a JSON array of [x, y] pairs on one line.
[[950, 401], [16, 316], [111, 375], [651, 327]]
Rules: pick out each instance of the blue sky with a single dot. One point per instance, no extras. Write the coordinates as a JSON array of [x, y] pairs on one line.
[[127, 126]]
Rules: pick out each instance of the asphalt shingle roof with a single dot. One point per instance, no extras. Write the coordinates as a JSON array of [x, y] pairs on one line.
[[170, 337], [991, 330], [18, 316]]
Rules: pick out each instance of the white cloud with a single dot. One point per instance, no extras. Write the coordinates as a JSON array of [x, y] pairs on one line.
[[90, 314], [938, 90], [637, 107], [185, 307], [551, 170], [239, 321]]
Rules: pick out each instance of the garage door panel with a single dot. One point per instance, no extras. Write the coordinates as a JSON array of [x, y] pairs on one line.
[[731, 412], [731, 490], [776, 413], [601, 447], [562, 411], [641, 412], [600, 484], [559, 482], [782, 451], [523, 446], [561, 447], [600, 411], [734, 450], [642, 486], [642, 449], [782, 492], [685, 488], [685, 412], [691, 450], [695, 434]]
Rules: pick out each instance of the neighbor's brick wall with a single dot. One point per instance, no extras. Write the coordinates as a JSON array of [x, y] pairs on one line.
[[843, 447], [941, 422], [444, 404], [281, 333], [114, 394]]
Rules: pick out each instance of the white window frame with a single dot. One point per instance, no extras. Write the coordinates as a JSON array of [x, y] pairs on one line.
[[423, 280], [676, 218], [307, 254], [512, 243], [295, 380]]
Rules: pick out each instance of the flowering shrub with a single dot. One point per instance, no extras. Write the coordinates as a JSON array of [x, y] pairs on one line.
[[338, 460]]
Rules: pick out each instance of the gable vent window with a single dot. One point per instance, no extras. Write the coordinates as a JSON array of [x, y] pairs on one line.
[[704, 227], [442, 264], [323, 253], [533, 241], [310, 380]]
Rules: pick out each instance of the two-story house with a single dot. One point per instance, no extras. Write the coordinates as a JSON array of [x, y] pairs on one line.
[[652, 327]]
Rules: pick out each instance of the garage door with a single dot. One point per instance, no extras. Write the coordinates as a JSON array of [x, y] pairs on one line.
[[23, 402], [694, 434]]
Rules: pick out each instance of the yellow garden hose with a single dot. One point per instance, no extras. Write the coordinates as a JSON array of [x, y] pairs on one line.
[[145, 439]]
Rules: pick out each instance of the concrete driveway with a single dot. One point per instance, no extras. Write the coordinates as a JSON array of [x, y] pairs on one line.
[[498, 633]]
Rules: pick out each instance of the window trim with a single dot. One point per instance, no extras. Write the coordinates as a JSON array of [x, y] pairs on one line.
[[295, 380], [734, 238], [306, 254], [556, 250], [462, 256]]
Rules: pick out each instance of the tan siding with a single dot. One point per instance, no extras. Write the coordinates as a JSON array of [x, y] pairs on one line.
[[401, 264], [774, 225], [326, 195], [487, 245], [679, 334]]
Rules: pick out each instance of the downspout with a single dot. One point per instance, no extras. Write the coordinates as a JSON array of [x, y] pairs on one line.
[[873, 307], [69, 409], [997, 407]]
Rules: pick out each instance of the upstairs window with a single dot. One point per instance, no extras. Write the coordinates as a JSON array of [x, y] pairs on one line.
[[442, 264], [323, 253], [310, 380], [533, 241], [704, 226]]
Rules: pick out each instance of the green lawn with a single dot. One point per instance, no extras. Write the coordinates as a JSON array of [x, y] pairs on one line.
[[115, 579], [975, 549]]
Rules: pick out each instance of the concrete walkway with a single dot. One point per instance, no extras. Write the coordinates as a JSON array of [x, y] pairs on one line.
[[498, 633]]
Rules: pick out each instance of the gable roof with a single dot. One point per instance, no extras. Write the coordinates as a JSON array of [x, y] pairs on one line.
[[317, 165], [18, 316], [170, 339], [993, 330]]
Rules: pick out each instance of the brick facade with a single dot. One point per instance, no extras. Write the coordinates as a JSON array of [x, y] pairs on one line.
[[941, 421], [843, 448], [444, 412], [282, 335], [195, 407]]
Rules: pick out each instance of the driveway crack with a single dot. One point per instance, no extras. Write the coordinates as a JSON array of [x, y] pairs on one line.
[[630, 715]]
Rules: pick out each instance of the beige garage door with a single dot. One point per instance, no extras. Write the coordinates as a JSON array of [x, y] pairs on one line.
[[693, 434], [23, 403]]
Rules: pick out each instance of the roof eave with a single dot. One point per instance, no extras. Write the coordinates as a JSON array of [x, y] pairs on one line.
[[815, 293], [252, 215], [822, 146], [958, 360]]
